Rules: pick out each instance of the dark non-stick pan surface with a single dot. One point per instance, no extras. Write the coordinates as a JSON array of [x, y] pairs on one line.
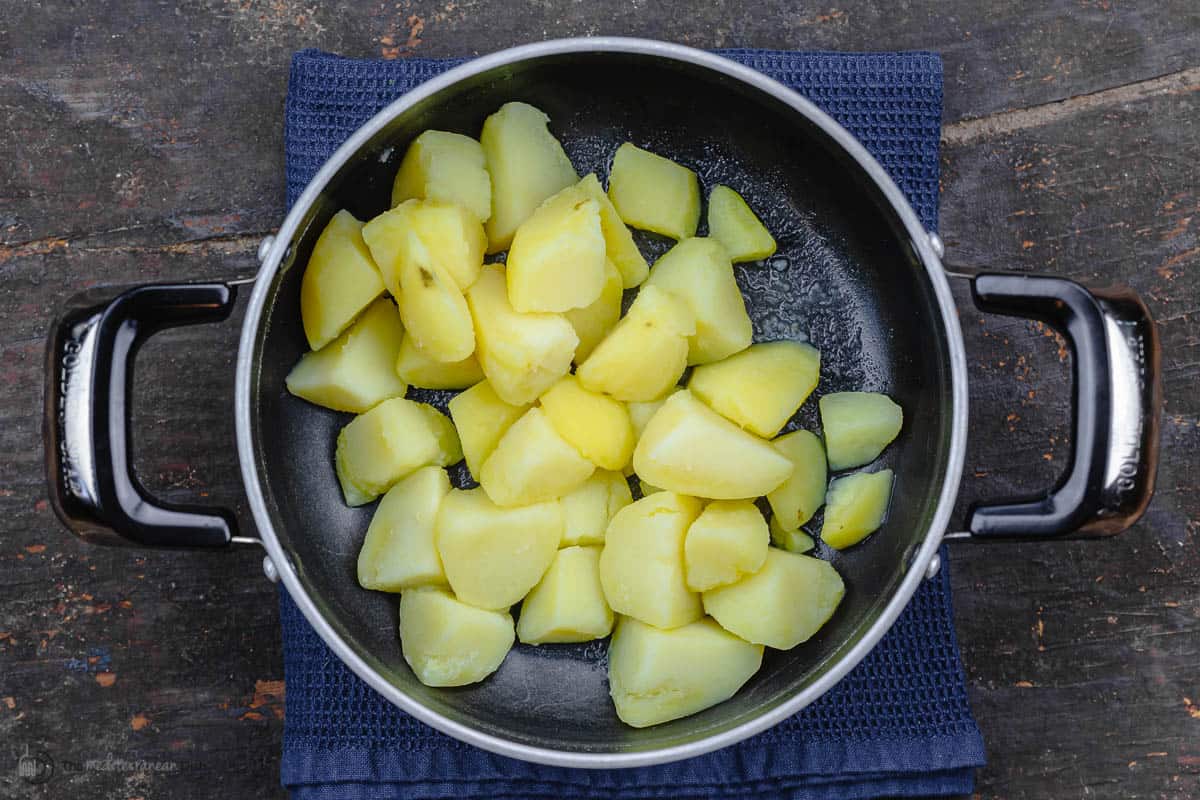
[[844, 278]]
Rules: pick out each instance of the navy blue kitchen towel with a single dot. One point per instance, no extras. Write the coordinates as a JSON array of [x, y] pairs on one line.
[[898, 725]]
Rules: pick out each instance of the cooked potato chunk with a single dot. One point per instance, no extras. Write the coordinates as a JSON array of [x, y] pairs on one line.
[[398, 552], [698, 270], [568, 604], [781, 605], [448, 167], [728, 540], [556, 262], [646, 353], [340, 280], [522, 355], [858, 426], [595, 424], [654, 193], [527, 165], [593, 322], [857, 505], [418, 369], [380, 447], [433, 310], [618, 240], [734, 225], [481, 418], [793, 541], [450, 643], [352, 373], [641, 567], [798, 498], [691, 449], [761, 387], [531, 463], [640, 413], [452, 236], [493, 556], [655, 676], [588, 509]]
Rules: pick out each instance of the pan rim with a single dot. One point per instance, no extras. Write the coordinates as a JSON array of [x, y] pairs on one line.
[[916, 571]]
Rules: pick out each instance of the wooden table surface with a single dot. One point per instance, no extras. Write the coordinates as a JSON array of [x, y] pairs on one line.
[[142, 142]]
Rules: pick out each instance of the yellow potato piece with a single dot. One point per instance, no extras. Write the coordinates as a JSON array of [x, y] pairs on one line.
[[452, 236], [761, 387], [556, 261], [857, 506], [593, 322], [727, 541], [527, 165], [493, 556], [796, 500], [640, 413], [340, 280], [448, 167], [398, 552], [352, 373], [448, 642], [532, 463], [522, 355], [595, 424], [618, 240], [434, 311], [653, 193], [481, 418], [655, 676], [735, 225], [641, 567], [691, 449], [568, 604], [793, 541], [418, 369], [588, 509], [699, 272], [781, 605], [858, 426], [393, 439], [646, 353]]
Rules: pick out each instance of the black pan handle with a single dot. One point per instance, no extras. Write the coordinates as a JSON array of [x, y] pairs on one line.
[[87, 431], [1117, 401]]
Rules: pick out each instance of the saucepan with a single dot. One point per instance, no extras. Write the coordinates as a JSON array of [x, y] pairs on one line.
[[856, 274]]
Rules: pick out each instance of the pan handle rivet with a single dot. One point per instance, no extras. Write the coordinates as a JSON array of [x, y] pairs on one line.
[[933, 567], [935, 241], [264, 247], [269, 570]]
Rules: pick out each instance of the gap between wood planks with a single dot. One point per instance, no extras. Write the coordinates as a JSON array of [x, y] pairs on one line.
[[227, 244], [1002, 123]]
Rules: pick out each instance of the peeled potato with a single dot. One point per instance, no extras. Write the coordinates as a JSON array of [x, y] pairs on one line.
[[655, 676], [595, 424], [493, 556], [796, 500], [532, 463], [689, 448], [352, 372], [445, 166], [593, 322], [640, 413], [761, 387], [413, 365], [618, 240], [481, 418], [734, 225], [448, 642], [527, 165], [452, 236], [857, 505], [433, 310], [556, 261], [340, 280], [588, 509], [793, 541], [699, 272], [858, 426], [728, 540], [646, 353], [781, 605], [653, 193], [641, 567], [522, 355], [568, 603], [398, 552]]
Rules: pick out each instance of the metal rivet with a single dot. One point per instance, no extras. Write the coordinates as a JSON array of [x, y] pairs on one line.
[[264, 247], [269, 570], [933, 567], [939, 247]]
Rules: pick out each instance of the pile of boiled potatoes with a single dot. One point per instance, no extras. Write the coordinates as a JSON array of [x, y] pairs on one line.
[[564, 400]]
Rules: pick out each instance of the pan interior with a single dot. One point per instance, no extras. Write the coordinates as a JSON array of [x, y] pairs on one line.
[[845, 278]]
